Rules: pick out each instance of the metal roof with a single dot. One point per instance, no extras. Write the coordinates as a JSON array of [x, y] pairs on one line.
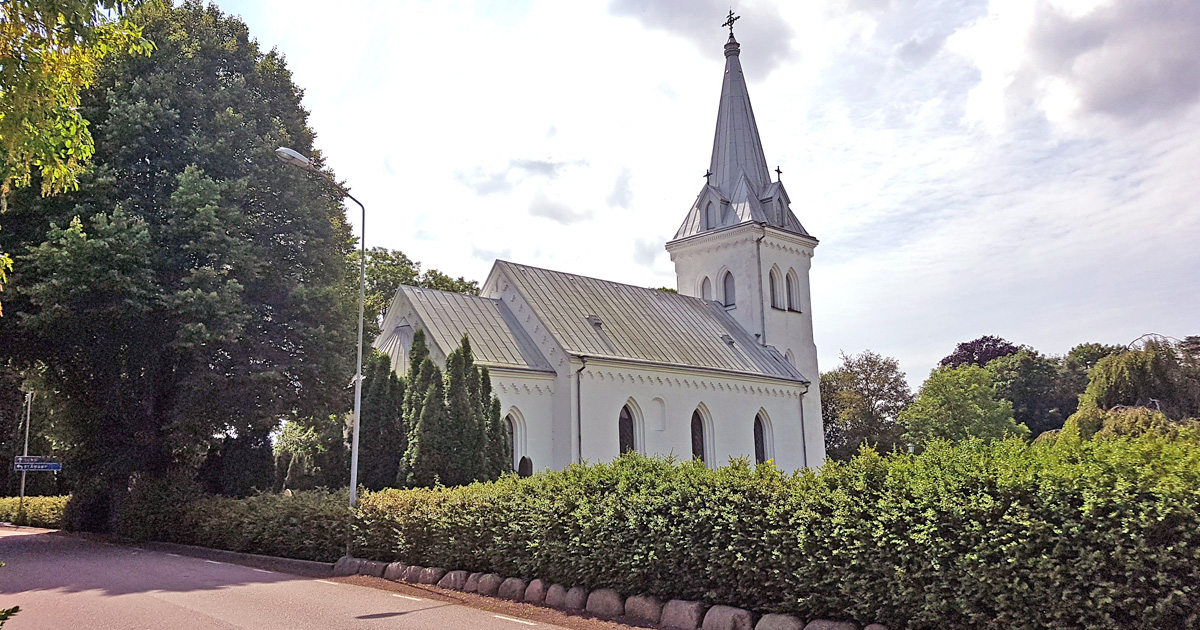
[[604, 319], [497, 339]]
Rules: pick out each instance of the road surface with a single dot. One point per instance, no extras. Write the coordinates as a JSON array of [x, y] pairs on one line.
[[66, 582]]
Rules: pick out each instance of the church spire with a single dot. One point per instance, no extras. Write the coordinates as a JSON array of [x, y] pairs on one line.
[[737, 148]]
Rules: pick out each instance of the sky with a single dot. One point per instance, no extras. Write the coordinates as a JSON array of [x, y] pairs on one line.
[[1022, 168]]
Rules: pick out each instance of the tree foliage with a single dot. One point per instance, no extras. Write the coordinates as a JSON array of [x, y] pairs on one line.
[[382, 436], [1031, 382], [1157, 373], [979, 352], [50, 50], [455, 435], [956, 403], [860, 403], [193, 285]]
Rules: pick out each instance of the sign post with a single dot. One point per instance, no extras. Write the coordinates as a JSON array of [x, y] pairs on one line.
[[26, 462]]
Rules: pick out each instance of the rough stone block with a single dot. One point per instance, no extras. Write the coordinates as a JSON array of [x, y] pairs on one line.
[[728, 618], [513, 588], [775, 621], [576, 598], [455, 580], [825, 624], [346, 565], [876, 626], [605, 602], [489, 584], [472, 584], [395, 571], [373, 568], [412, 574], [431, 575], [556, 596], [645, 608], [535, 593], [680, 614]]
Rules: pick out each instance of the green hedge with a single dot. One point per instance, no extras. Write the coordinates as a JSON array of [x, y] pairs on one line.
[[1063, 533], [1092, 534], [38, 512]]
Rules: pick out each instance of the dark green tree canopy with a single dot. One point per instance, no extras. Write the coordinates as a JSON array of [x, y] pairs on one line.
[[387, 269], [193, 286]]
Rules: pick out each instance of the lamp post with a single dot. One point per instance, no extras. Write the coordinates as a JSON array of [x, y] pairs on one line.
[[290, 156]]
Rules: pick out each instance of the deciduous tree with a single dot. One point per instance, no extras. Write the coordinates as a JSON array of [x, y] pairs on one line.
[[193, 285], [955, 403], [979, 351], [860, 402]]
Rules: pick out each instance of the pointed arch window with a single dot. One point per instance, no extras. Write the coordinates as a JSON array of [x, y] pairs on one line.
[[706, 289], [625, 430], [779, 212], [697, 436], [730, 291], [774, 290], [711, 220], [760, 439], [793, 291]]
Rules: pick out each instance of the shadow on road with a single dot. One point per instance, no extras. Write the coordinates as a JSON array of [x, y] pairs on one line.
[[41, 560]]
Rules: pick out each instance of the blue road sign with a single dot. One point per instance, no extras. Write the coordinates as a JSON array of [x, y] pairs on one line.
[[35, 462]]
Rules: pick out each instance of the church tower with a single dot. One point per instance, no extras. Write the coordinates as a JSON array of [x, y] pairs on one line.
[[740, 244]]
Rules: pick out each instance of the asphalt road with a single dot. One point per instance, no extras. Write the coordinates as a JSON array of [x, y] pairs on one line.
[[65, 582]]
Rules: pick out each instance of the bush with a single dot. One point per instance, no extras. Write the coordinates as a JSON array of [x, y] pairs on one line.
[[308, 525], [38, 511], [1065, 534]]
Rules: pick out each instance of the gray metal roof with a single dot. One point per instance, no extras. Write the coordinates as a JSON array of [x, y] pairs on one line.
[[497, 339], [740, 186], [603, 319]]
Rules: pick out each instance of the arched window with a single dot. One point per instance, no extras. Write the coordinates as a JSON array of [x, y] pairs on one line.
[[779, 212], [774, 291], [697, 436], [793, 292], [706, 289], [510, 435], [525, 467], [625, 430], [730, 294], [790, 358], [760, 440], [711, 221]]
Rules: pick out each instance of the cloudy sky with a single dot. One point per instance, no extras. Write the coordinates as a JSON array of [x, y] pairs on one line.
[[1021, 168]]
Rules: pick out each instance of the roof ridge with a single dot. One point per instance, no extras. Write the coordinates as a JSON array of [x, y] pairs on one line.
[[578, 275]]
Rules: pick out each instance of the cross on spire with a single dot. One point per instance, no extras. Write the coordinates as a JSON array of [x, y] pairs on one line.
[[730, 20], [778, 173]]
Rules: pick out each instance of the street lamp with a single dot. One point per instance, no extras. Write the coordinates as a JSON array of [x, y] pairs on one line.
[[295, 158]]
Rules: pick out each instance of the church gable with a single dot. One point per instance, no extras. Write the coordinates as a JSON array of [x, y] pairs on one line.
[[497, 339]]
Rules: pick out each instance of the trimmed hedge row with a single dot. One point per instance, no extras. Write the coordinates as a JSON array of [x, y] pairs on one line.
[[38, 511], [1066, 533], [1092, 534]]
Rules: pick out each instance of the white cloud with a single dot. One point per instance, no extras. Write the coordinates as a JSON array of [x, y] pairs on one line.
[[969, 167]]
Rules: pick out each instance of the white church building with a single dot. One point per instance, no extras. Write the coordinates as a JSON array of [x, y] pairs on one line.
[[587, 369]]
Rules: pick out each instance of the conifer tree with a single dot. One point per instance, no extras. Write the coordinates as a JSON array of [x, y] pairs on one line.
[[382, 429], [499, 449], [425, 459]]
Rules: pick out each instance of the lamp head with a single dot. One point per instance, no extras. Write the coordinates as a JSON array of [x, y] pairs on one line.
[[293, 157]]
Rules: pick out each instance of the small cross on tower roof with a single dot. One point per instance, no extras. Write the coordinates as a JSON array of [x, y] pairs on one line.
[[730, 20], [778, 173]]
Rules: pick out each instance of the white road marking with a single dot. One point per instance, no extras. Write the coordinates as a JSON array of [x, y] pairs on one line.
[[174, 555], [415, 599], [213, 562], [261, 570], [328, 582], [528, 623]]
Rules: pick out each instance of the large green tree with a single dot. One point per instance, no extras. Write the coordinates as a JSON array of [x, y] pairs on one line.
[[193, 285], [1157, 372], [861, 400], [1030, 381], [956, 403], [50, 50]]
